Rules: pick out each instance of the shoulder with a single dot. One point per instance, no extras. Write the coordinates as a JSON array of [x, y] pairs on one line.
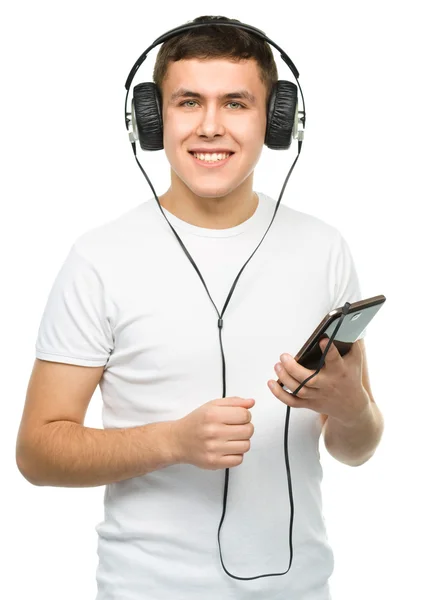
[[303, 225], [104, 242]]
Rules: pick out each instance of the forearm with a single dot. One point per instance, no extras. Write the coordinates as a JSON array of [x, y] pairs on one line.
[[355, 443], [66, 454]]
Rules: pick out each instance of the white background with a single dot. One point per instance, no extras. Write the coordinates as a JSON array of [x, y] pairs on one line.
[[67, 166]]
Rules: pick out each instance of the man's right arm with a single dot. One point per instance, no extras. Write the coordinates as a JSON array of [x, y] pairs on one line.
[[54, 447]]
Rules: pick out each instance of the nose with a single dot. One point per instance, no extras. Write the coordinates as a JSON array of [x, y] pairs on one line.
[[210, 123]]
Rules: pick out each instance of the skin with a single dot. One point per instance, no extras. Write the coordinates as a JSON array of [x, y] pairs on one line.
[[337, 390], [223, 197], [352, 422]]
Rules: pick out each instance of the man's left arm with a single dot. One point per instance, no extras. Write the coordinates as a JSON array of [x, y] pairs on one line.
[[354, 443], [341, 395]]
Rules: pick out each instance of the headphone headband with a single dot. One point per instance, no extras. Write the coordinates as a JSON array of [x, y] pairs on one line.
[[278, 130], [177, 30]]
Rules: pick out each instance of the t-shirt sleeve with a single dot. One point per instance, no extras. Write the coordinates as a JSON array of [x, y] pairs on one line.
[[75, 327], [345, 278]]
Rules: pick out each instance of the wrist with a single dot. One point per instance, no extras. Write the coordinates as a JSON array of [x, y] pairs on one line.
[[173, 446], [361, 417]]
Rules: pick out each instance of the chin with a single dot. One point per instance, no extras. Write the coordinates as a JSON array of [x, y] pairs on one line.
[[207, 189], [210, 192]]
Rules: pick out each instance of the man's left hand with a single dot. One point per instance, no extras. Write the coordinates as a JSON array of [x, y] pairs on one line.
[[336, 391]]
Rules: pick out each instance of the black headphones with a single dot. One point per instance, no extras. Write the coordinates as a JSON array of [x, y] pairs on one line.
[[146, 111], [282, 125]]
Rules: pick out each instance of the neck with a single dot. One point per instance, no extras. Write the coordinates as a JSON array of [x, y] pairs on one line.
[[210, 212]]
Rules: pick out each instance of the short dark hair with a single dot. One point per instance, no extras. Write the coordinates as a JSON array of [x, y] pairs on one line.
[[215, 41]]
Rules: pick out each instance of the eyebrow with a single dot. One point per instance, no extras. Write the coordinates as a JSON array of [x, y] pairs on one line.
[[243, 94]]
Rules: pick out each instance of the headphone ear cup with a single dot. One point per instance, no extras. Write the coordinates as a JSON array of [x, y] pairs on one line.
[[281, 115], [148, 116]]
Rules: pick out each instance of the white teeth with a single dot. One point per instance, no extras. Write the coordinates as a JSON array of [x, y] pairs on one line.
[[212, 157]]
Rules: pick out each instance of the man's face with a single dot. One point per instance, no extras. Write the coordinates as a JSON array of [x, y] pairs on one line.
[[213, 122]]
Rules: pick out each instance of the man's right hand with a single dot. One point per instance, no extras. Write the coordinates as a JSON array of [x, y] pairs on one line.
[[216, 435]]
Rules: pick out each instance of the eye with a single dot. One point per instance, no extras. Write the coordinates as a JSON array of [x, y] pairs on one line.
[[186, 102], [194, 101]]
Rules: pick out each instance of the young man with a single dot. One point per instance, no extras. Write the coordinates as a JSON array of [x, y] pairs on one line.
[[128, 311]]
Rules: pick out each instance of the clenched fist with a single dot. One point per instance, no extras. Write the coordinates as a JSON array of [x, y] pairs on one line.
[[216, 435]]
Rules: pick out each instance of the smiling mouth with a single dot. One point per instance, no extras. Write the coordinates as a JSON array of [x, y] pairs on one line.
[[217, 160]]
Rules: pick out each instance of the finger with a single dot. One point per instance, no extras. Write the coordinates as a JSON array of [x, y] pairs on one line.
[[290, 399], [333, 355], [285, 378], [298, 372]]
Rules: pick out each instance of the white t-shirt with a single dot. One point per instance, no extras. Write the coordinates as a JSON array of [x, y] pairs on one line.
[[128, 297]]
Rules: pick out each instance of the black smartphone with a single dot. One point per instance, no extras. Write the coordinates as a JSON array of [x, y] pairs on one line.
[[355, 321]]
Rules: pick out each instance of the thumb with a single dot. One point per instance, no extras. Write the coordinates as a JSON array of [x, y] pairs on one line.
[[235, 401], [247, 402], [333, 353]]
